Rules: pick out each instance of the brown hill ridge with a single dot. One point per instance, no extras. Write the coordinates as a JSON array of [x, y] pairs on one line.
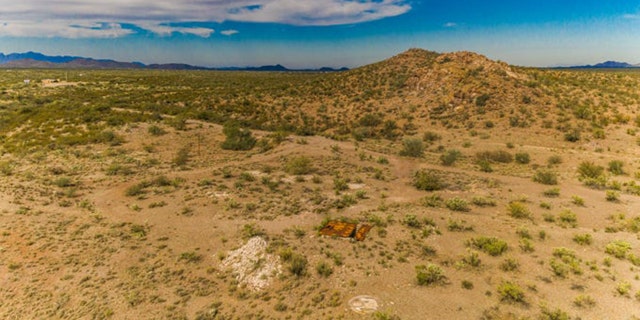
[[430, 85]]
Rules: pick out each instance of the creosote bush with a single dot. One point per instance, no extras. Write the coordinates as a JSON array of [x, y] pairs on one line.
[[522, 158], [518, 210], [237, 138], [457, 204], [412, 147], [429, 275], [298, 166], [489, 245], [510, 292], [547, 177], [450, 157], [427, 180]]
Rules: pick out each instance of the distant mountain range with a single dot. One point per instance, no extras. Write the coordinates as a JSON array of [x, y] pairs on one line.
[[39, 60], [605, 65]]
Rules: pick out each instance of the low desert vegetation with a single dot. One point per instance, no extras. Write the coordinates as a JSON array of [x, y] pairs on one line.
[[142, 190]]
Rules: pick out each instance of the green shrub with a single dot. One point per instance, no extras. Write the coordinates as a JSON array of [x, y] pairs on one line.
[[432, 201], [547, 177], [577, 200], [156, 131], [588, 169], [584, 301], [522, 158], [324, 269], [573, 135], [429, 275], [567, 218], [190, 257], [615, 167], [583, 239], [554, 160], [612, 196], [557, 314], [552, 193], [298, 166], [458, 226], [457, 204], [182, 156], [485, 166], [518, 210], [298, 264], [411, 220], [450, 157], [431, 137], [237, 138], [490, 245], [618, 248], [427, 180], [412, 147], [509, 264], [510, 292], [483, 201], [623, 288]]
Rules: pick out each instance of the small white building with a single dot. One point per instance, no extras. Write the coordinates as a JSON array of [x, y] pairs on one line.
[[27, 81]]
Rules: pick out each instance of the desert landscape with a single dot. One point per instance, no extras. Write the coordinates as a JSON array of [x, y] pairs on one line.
[[493, 192]]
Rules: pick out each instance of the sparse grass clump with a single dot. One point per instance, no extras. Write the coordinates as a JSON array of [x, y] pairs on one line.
[[483, 201], [497, 156], [430, 274], [431, 137], [458, 226], [155, 130], [432, 201], [554, 160], [552, 193], [190, 257], [489, 245], [584, 301]]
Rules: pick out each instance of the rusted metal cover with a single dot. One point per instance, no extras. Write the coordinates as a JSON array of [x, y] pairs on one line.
[[361, 234], [338, 229]]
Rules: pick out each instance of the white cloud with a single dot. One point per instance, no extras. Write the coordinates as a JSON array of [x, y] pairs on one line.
[[630, 16], [229, 32], [63, 29], [46, 18], [450, 25], [165, 30]]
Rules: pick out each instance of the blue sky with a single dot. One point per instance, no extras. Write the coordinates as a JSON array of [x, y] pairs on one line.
[[314, 33]]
